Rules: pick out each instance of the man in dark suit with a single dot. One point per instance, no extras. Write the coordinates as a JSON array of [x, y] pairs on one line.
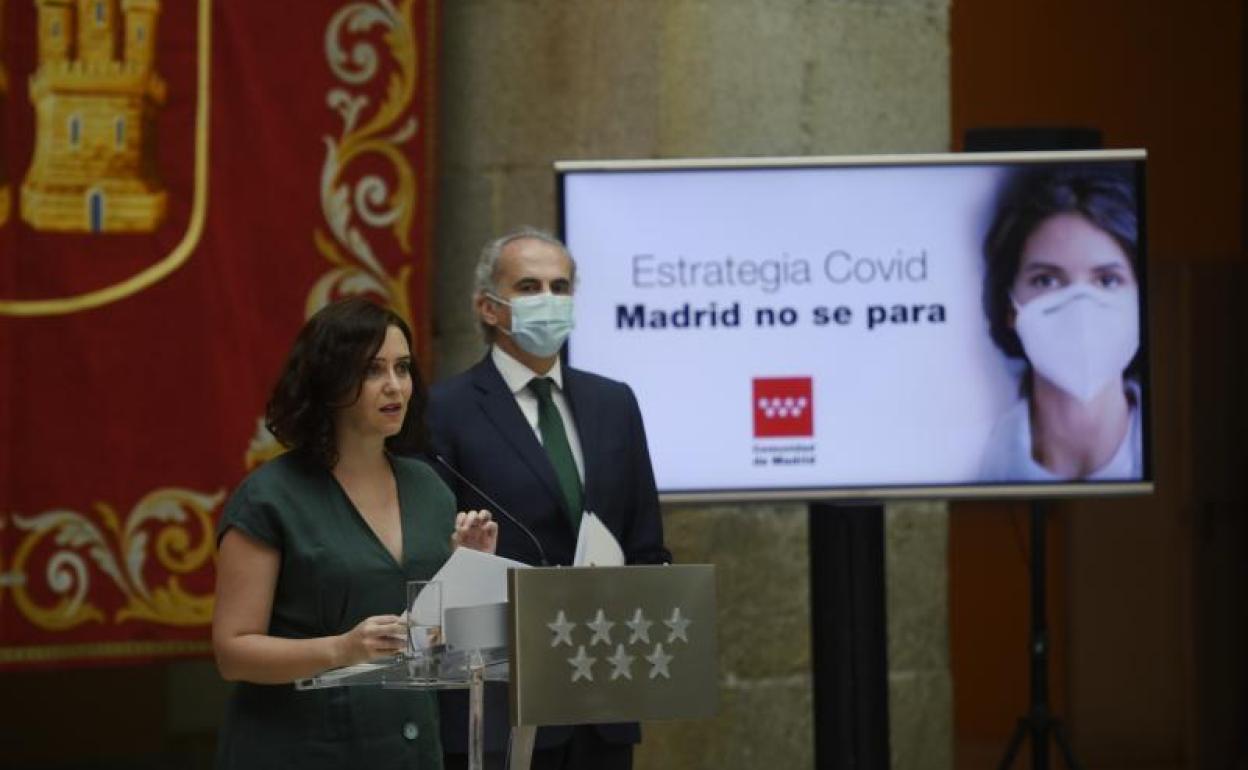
[[546, 442]]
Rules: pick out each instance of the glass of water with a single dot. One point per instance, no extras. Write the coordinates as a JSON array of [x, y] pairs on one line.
[[424, 625]]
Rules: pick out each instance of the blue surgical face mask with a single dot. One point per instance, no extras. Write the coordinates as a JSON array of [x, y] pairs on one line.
[[540, 323]]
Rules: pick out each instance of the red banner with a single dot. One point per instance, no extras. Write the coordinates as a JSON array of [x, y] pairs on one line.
[[182, 182]]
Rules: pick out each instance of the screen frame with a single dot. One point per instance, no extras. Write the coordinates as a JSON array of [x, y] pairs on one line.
[[563, 169]]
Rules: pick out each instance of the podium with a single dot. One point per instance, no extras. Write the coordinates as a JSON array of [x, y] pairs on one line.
[[609, 644], [584, 645]]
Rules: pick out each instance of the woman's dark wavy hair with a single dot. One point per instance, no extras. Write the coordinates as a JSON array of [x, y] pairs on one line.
[[325, 372], [1103, 194]]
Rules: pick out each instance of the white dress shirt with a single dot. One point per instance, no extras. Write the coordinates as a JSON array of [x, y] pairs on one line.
[[517, 377]]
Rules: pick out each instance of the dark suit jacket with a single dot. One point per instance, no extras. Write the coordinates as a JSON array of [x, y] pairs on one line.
[[478, 428]]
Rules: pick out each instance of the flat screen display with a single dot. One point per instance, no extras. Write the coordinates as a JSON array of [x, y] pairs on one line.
[[871, 327]]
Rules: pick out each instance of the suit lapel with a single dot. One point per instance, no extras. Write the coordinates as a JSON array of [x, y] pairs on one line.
[[587, 416], [500, 408]]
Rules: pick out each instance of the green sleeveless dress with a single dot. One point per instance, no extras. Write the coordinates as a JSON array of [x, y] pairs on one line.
[[334, 573]]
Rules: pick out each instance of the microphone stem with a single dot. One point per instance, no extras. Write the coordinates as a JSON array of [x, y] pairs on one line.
[[537, 544]]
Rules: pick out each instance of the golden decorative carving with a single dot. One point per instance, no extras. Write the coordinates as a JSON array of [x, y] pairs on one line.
[[174, 525], [58, 653], [367, 202], [352, 208], [52, 653], [94, 159]]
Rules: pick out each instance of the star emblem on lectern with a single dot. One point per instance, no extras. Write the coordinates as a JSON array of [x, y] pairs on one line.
[[650, 644], [622, 663], [677, 627], [563, 630], [601, 628], [582, 664], [640, 628], [658, 663]]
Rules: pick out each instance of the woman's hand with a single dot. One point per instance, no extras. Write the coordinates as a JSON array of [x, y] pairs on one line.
[[476, 530], [372, 638]]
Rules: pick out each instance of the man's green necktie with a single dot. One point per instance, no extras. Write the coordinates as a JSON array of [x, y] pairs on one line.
[[555, 439]]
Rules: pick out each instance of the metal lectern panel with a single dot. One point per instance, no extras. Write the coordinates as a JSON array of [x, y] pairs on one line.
[[613, 644]]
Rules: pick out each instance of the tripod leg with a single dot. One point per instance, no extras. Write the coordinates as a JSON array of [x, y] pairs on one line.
[[1040, 742], [1063, 744], [1016, 742]]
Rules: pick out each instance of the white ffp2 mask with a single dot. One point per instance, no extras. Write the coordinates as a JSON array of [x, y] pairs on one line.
[[1080, 337]]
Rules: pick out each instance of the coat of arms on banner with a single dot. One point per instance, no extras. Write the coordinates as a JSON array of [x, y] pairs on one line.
[[103, 164], [95, 106], [103, 178]]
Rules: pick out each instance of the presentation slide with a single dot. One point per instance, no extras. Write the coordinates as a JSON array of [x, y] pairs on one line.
[[829, 327]]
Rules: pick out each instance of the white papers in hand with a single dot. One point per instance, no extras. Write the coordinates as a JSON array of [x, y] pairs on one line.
[[595, 545], [470, 578]]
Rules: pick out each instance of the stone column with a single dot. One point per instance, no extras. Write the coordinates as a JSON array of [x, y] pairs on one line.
[[920, 686], [528, 82]]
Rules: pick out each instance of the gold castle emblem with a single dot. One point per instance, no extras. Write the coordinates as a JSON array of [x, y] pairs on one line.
[[93, 168]]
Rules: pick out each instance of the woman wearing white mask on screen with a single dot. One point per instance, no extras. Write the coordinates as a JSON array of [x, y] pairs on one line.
[[1061, 293]]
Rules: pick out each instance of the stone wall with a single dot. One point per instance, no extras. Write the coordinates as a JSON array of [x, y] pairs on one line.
[[920, 686], [528, 82]]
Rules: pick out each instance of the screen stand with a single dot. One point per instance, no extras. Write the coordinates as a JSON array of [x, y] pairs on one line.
[[848, 636], [1039, 722]]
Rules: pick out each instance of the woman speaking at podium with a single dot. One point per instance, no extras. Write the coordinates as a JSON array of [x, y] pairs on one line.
[[1061, 293], [316, 548]]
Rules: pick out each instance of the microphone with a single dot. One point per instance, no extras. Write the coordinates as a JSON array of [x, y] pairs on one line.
[[541, 552]]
